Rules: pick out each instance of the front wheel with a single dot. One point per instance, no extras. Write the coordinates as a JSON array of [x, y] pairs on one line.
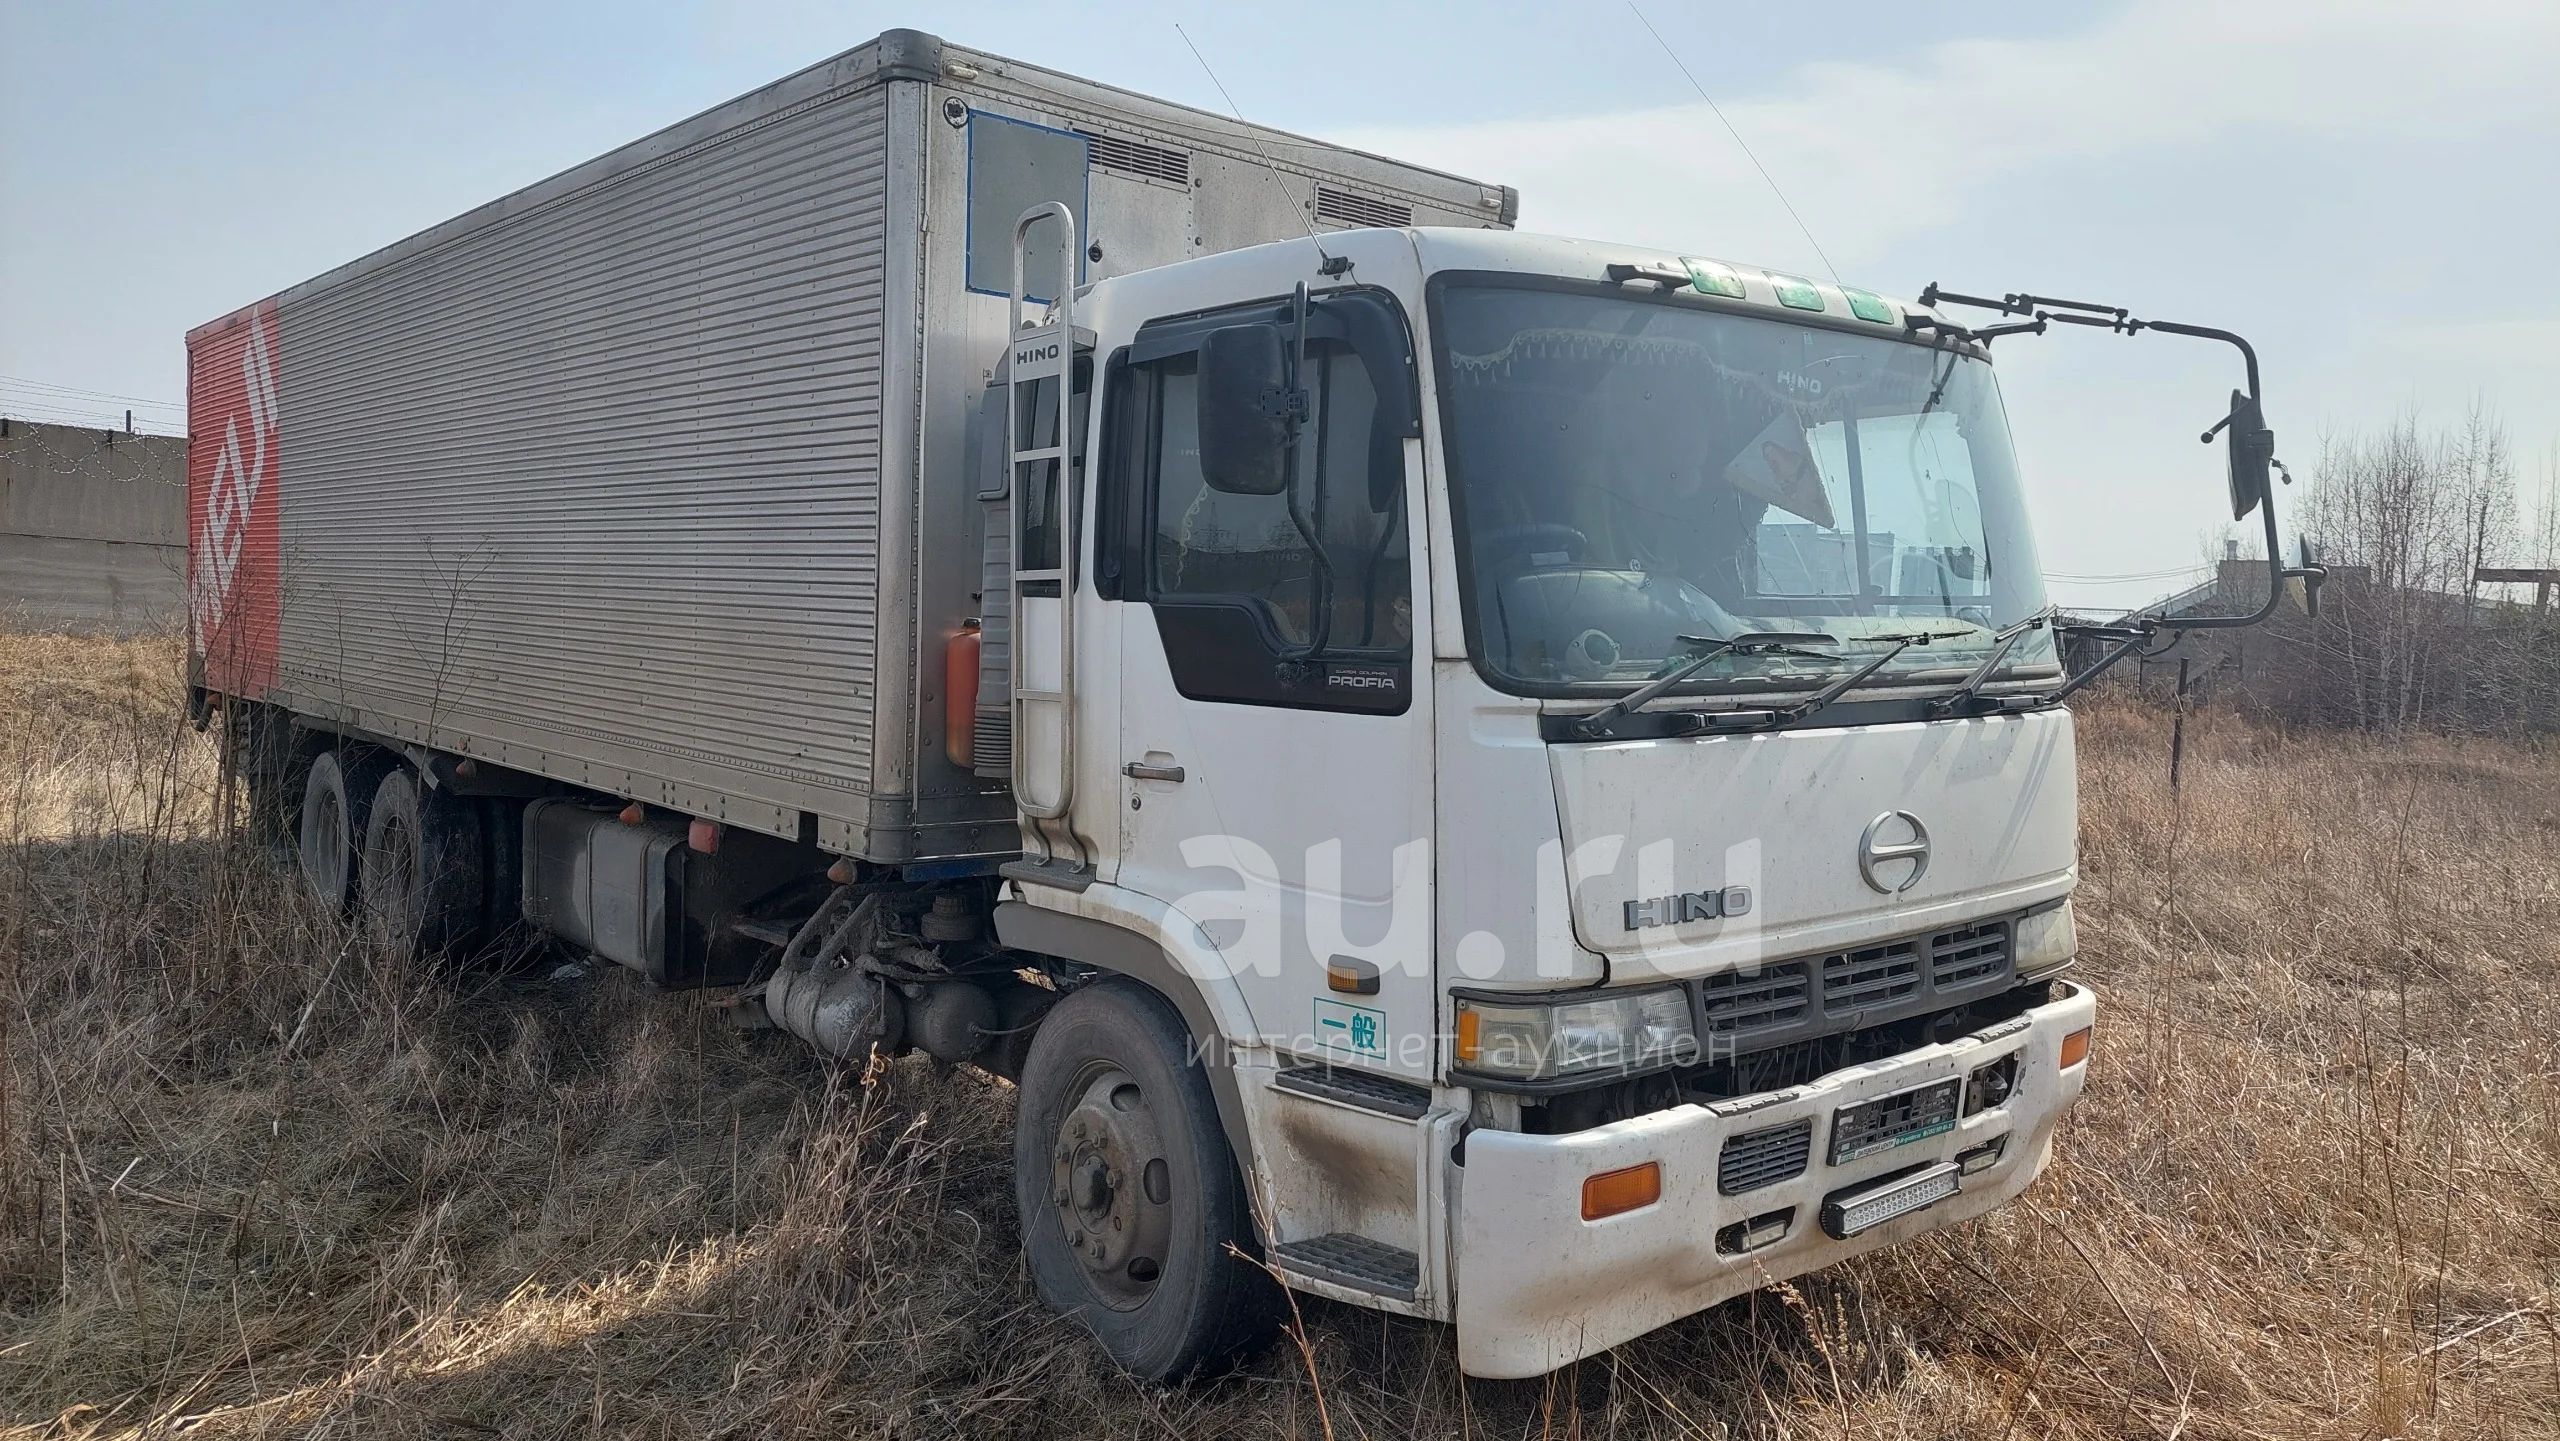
[[1132, 1213]]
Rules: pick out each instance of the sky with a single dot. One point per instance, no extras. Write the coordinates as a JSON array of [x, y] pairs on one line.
[[2365, 190]]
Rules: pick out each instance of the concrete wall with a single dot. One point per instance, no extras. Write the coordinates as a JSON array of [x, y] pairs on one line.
[[93, 529]]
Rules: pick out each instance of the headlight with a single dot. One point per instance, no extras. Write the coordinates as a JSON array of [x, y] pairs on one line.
[[2046, 942], [1550, 1038]]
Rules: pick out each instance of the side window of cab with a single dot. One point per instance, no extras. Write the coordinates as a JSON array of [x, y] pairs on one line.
[[1286, 577]]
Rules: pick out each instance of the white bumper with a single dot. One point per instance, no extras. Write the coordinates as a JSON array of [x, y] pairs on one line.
[[1539, 1287]]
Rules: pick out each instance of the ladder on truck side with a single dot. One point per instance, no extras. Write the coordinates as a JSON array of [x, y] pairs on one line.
[[1042, 646]]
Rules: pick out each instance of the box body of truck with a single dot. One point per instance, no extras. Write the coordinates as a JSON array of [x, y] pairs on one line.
[[650, 478]]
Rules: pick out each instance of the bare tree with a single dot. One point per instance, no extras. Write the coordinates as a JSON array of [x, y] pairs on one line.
[[2408, 515]]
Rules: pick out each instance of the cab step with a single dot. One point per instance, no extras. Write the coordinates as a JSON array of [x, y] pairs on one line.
[[1360, 1090], [1354, 1261], [1056, 874]]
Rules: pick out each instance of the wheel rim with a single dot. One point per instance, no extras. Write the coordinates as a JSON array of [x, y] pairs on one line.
[[391, 877], [324, 847], [1111, 1186]]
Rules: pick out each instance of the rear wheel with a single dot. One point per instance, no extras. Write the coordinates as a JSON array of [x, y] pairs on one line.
[[423, 881], [337, 798], [1130, 1201]]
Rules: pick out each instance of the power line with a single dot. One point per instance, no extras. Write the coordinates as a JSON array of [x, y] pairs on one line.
[[1739, 141], [138, 400], [2127, 575], [74, 418], [11, 399]]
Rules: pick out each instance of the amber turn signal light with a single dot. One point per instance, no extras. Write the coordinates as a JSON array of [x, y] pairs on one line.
[[2075, 1048], [1629, 1188]]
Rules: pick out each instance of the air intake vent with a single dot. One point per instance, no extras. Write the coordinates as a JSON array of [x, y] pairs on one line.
[[1138, 158], [1350, 207], [1976, 953], [1743, 1004], [992, 754], [1873, 976], [1764, 1158]]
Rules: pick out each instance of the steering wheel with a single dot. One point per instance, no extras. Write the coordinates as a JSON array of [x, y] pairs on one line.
[[1531, 538]]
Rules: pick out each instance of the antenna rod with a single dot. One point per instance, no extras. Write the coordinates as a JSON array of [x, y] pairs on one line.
[[1739, 141], [1268, 168]]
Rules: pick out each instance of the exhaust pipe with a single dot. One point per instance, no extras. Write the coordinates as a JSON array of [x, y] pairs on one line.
[[824, 992]]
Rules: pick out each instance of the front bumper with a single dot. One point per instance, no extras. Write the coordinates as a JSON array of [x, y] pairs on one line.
[[1538, 1287]]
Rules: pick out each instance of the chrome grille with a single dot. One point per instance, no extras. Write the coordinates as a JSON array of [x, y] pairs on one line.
[[1743, 1004], [1768, 1011], [1963, 957], [1764, 1158], [1869, 977]]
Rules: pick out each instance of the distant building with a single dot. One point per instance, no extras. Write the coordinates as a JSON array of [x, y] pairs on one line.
[[93, 528]]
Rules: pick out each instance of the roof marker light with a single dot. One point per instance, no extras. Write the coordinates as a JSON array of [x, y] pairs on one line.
[[1867, 305], [1708, 277], [1796, 292]]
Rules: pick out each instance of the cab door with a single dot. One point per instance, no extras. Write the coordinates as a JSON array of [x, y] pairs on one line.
[[1276, 751]]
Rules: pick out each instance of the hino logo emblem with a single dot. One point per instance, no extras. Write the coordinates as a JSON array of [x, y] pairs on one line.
[[1875, 852], [1688, 906]]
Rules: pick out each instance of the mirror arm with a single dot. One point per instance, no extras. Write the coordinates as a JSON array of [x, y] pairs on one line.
[[2102, 317], [2248, 352], [1319, 585], [2102, 665], [2277, 574], [2276, 577]]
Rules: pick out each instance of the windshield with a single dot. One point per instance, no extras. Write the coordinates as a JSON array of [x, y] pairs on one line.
[[1632, 470]]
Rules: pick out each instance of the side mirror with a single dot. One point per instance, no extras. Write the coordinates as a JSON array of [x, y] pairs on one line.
[[2252, 449], [1248, 411]]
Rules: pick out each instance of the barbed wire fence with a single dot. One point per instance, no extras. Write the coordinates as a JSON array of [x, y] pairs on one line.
[[92, 508], [88, 435]]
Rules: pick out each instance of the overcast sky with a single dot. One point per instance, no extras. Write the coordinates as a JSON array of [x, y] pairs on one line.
[[2367, 190]]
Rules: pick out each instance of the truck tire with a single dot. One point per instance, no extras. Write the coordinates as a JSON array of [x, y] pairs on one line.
[[423, 877], [337, 797], [1132, 1211]]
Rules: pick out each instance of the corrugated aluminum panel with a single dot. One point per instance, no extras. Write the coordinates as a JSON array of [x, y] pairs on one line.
[[649, 477], [594, 488]]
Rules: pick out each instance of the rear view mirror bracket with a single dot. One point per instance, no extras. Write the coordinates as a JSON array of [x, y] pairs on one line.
[[2251, 456]]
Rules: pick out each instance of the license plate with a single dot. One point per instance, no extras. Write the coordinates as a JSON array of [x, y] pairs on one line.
[[1895, 1120]]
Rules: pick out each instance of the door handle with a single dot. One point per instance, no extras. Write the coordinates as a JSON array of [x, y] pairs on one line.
[[1141, 771]]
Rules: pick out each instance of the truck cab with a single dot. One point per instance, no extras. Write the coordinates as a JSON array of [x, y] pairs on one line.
[[1522, 1006]]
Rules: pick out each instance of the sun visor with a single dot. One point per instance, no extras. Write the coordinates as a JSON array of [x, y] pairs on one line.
[[1777, 466]]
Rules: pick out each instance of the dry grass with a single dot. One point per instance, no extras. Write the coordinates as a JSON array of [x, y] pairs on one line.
[[254, 1182]]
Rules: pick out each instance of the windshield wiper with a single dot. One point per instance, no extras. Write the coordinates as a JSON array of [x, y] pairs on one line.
[[2003, 641], [1750, 643], [1783, 715]]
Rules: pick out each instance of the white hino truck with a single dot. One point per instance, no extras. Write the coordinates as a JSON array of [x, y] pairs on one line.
[[1513, 780]]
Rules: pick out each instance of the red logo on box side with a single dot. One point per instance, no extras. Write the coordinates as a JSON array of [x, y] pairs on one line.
[[234, 584]]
